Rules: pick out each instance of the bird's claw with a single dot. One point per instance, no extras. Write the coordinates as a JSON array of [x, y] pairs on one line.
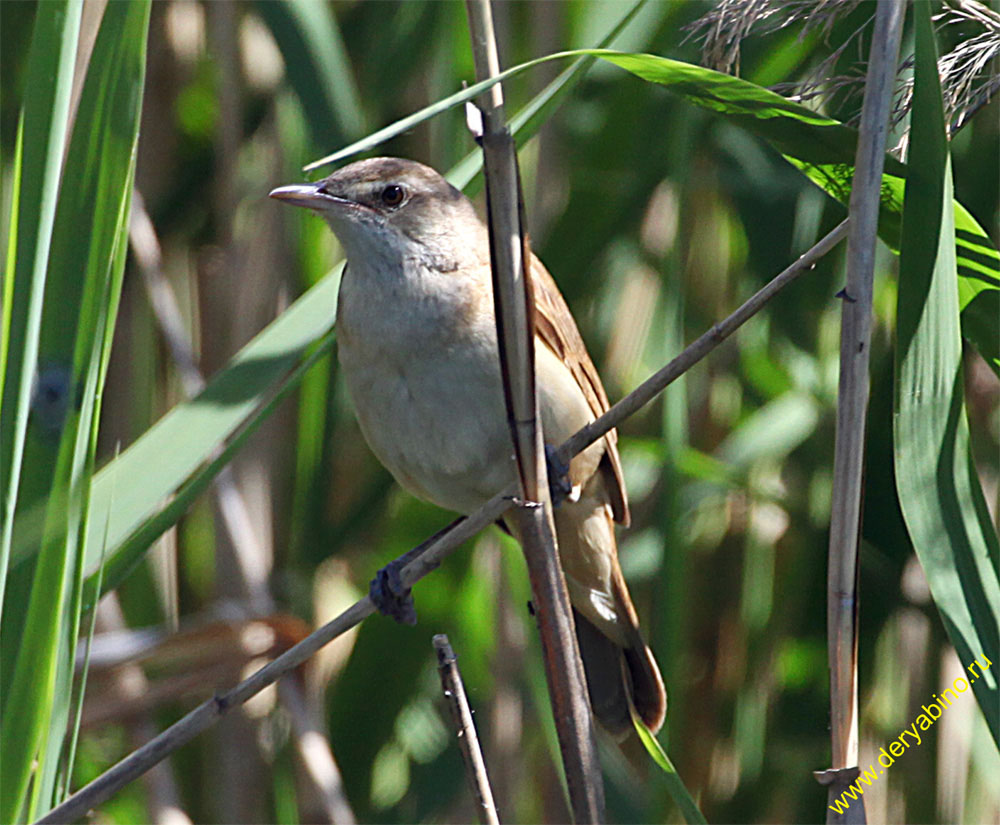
[[391, 597]]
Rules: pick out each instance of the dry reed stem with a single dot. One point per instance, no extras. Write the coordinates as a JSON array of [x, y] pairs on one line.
[[852, 400], [515, 308], [465, 730]]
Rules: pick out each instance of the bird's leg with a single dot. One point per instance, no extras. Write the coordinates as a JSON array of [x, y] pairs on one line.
[[560, 487]]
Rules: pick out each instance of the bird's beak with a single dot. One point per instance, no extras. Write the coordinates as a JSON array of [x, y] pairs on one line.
[[314, 196], [301, 194]]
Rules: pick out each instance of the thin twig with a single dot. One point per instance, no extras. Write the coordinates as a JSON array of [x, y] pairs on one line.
[[465, 728], [535, 529], [852, 400], [424, 558]]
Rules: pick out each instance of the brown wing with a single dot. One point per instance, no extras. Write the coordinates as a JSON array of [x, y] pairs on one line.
[[554, 324]]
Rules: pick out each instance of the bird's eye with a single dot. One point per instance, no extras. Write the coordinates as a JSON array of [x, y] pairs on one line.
[[393, 195]]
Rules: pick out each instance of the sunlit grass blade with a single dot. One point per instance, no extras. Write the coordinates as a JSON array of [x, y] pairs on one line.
[[978, 286], [173, 449], [185, 438], [40, 156], [55, 770], [130, 549], [81, 691], [9, 261], [6, 313], [675, 785], [41, 136], [939, 490], [789, 126]]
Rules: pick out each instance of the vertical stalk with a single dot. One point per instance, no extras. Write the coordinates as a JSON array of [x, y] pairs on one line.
[[852, 407], [514, 306]]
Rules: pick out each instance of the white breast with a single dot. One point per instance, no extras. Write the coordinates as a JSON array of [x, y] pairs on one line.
[[420, 358], [422, 372]]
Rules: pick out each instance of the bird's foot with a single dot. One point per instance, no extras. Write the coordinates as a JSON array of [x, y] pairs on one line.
[[560, 487], [390, 596]]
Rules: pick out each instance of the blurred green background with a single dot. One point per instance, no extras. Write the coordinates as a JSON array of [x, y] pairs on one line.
[[656, 219]]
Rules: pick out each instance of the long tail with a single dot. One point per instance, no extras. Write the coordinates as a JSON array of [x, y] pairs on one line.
[[619, 665], [618, 676], [648, 691]]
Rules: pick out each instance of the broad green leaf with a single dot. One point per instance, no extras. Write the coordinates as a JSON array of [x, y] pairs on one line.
[[183, 442], [129, 552], [84, 269], [41, 137], [939, 491], [978, 258], [788, 126]]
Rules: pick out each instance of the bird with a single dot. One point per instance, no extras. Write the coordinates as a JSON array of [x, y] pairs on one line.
[[417, 345]]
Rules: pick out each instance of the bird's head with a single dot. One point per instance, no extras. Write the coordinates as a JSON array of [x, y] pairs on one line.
[[389, 207]]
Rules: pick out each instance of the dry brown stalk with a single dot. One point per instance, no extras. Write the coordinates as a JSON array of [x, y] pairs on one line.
[[514, 307], [852, 405], [468, 741]]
